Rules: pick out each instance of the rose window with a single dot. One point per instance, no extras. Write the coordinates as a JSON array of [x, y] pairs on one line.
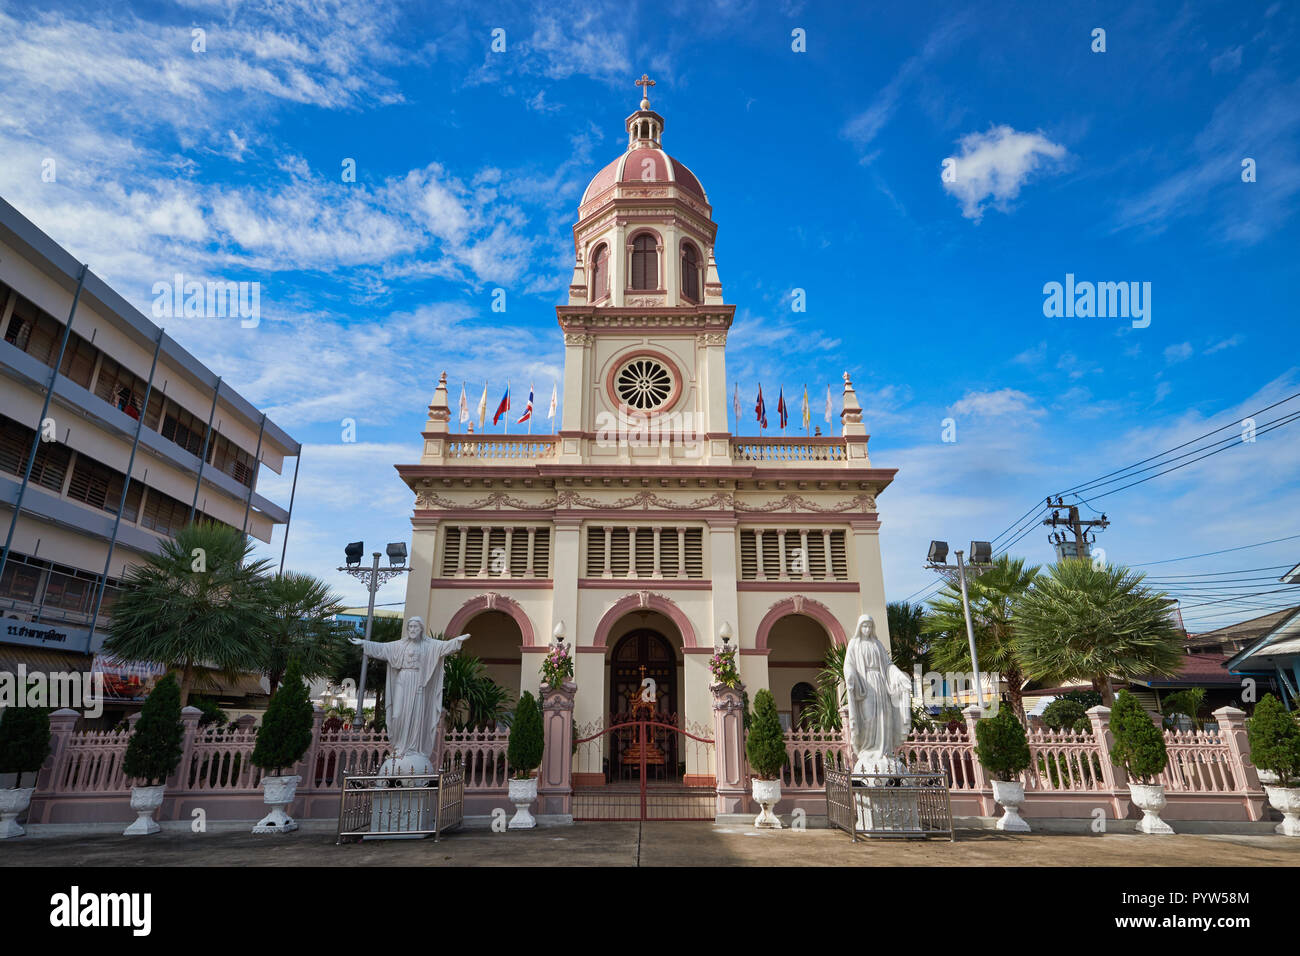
[[643, 383]]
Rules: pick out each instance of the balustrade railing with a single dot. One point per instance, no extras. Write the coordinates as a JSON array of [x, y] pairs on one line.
[[501, 447], [789, 450]]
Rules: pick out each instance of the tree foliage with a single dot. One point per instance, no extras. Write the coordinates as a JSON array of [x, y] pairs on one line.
[[1275, 740], [1001, 745], [1081, 622], [198, 603], [908, 645], [24, 740], [765, 741], [1139, 745], [995, 596], [822, 713], [471, 699], [1065, 713], [1187, 702], [524, 751], [155, 747], [285, 733], [301, 626]]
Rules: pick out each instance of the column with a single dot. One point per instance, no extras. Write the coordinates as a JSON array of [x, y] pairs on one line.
[[1113, 778], [609, 545], [758, 545], [1232, 729], [803, 554], [657, 573], [460, 559], [681, 552], [983, 789], [532, 538], [555, 779], [729, 747], [829, 573], [780, 543], [506, 571], [487, 547]]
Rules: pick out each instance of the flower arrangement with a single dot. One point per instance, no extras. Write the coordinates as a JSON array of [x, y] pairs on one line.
[[723, 666], [557, 666]]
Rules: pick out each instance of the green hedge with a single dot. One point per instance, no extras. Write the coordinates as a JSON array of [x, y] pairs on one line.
[[1139, 744]]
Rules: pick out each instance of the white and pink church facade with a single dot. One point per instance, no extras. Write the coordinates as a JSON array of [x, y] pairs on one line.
[[645, 529]]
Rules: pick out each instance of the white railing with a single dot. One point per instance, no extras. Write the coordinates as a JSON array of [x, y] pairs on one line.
[[501, 447], [789, 450]]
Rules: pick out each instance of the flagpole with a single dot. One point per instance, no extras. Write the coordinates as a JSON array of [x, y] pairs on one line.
[[507, 414]]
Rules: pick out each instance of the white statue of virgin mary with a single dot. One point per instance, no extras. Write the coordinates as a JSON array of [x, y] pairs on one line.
[[880, 701]]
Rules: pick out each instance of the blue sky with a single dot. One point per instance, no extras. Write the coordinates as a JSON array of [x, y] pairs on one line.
[[824, 171]]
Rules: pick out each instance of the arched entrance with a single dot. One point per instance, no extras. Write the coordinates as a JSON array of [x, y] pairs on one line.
[[797, 647], [644, 665], [496, 640]]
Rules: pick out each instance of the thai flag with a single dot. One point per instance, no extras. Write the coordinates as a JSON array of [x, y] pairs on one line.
[[760, 409], [528, 411], [504, 406]]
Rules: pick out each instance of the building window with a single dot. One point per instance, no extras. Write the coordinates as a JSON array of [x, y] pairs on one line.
[[600, 273], [643, 383], [690, 273], [645, 552], [51, 465], [792, 554], [496, 552], [645, 265]]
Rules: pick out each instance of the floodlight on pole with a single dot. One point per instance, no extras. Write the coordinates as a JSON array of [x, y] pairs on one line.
[[352, 553], [938, 552], [397, 554], [981, 552], [373, 576]]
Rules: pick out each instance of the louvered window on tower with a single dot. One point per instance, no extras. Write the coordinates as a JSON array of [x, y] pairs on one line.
[[793, 554]]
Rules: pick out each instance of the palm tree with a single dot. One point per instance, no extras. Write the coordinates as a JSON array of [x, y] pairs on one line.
[[303, 627], [907, 644], [822, 712], [471, 700], [994, 597], [196, 604], [1082, 622]]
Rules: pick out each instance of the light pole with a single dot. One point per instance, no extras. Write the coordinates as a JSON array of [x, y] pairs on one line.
[[981, 552], [373, 576]]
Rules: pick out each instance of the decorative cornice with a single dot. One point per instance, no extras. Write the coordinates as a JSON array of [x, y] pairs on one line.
[[570, 498]]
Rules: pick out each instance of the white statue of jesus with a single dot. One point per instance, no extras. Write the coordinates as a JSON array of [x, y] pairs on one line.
[[413, 690], [880, 701]]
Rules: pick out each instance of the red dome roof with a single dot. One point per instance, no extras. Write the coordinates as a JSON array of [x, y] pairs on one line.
[[644, 166]]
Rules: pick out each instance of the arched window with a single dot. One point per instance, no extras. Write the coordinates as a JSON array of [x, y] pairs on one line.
[[690, 273], [600, 273], [645, 265]]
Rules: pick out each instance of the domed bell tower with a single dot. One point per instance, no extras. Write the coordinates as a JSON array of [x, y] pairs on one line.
[[645, 327]]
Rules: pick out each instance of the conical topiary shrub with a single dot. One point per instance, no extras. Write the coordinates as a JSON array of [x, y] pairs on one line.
[[524, 751], [1274, 740], [24, 741], [765, 740], [1139, 744], [1001, 745], [155, 747], [285, 733]]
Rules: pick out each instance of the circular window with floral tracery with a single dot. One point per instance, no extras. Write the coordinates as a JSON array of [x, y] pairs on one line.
[[644, 383]]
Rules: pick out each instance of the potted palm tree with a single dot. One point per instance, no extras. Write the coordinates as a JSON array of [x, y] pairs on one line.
[[199, 603], [1275, 748], [282, 739], [524, 754], [1002, 748], [153, 753], [24, 745], [765, 748], [1140, 750]]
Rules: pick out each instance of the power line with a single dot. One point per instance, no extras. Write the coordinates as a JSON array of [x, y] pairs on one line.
[[1207, 574], [1244, 547]]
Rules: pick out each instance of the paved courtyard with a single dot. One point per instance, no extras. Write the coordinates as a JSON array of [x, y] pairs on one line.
[[646, 844]]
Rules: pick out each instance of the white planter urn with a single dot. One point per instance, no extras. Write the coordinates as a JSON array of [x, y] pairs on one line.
[[1150, 799], [1268, 777], [277, 793], [144, 801], [1286, 801], [1010, 796], [522, 795], [12, 803], [767, 794]]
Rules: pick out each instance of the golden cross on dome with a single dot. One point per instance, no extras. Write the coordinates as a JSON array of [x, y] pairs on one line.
[[645, 83]]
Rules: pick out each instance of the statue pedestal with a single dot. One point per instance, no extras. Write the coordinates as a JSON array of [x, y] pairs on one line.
[[393, 815], [882, 807]]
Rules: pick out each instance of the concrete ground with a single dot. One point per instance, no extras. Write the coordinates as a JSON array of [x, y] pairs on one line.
[[638, 844]]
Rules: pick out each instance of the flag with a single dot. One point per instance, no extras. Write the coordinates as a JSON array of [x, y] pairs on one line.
[[735, 404], [760, 409], [807, 417], [551, 413], [482, 408], [828, 404], [503, 407], [464, 406], [528, 409], [782, 412]]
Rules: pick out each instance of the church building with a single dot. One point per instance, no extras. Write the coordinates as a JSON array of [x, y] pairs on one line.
[[646, 532]]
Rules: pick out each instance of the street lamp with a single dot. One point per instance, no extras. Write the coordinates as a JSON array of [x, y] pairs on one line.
[[373, 576], [724, 632], [981, 553]]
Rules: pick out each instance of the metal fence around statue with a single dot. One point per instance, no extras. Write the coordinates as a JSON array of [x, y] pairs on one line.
[[410, 806], [909, 805]]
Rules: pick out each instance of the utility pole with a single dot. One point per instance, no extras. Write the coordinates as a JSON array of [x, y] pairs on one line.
[[1080, 528]]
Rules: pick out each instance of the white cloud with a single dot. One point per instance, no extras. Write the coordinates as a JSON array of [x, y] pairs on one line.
[[1178, 353], [1002, 403], [993, 166]]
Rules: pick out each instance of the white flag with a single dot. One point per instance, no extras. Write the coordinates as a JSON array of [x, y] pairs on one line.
[[482, 407], [551, 413], [464, 406], [828, 404]]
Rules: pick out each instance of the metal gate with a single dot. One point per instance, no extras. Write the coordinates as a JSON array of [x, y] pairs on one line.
[[631, 767]]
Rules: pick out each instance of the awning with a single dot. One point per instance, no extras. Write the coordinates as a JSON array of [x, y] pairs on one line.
[[40, 661]]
